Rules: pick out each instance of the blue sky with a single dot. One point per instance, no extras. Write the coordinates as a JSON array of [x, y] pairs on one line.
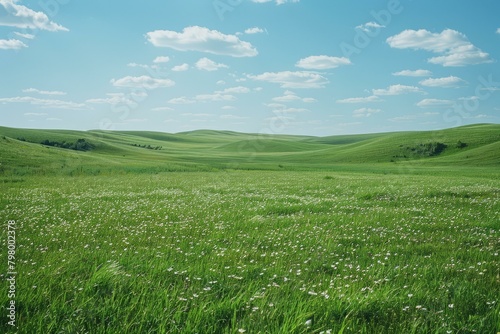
[[312, 67]]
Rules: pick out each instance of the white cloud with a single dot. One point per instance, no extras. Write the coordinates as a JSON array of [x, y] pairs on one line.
[[44, 103], [202, 39], [470, 98], [278, 2], [454, 47], [364, 112], [290, 96], [370, 27], [23, 17], [309, 100], [138, 65], [275, 105], [367, 99], [233, 117], [288, 79], [228, 108], [38, 114], [206, 64], [293, 110], [254, 30], [416, 73], [26, 36], [115, 98], [162, 109], [322, 62], [498, 31], [236, 90], [397, 90], [448, 82], [43, 92], [429, 103], [181, 100], [491, 89], [142, 82], [216, 97], [161, 60], [11, 44], [181, 68]]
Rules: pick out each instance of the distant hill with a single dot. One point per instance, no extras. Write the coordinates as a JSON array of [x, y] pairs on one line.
[[53, 152]]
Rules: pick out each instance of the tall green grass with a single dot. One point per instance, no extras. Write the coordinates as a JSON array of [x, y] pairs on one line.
[[255, 252]]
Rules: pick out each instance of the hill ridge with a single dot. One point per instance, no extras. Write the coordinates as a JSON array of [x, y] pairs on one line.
[[32, 151]]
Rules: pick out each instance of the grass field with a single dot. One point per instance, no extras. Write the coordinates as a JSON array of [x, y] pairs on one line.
[[219, 232]]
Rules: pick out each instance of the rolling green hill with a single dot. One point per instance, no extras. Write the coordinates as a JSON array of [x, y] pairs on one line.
[[97, 152]]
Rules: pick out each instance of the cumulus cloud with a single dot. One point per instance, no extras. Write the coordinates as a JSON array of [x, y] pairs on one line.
[[161, 59], [429, 103], [322, 62], [181, 100], [397, 90], [114, 99], [278, 2], [370, 27], [138, 65], [216, 97], [43, 92], [293, 110], [14, 15], [142, 82], [290, 96], [26, 36], [448, 82], [236, 90], [181, 68], [254, 30], [365, 112], [233, 117], [453, 47], [416, 73], [162, 109], [202, 39], [11, 44], [44, 103], [206, 64], [367, 99], [289, 79]]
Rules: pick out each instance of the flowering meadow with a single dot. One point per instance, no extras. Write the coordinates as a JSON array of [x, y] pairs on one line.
[[254, 252]]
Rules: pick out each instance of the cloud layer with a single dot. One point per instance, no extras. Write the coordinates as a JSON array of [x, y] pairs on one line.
[[144, 81], [196, 38], [322, 62], [289, 79], [11, 44], [14, 15], [453, 47], [447, 82]]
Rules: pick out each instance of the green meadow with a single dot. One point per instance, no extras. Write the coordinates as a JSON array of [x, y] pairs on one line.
[[223, 232]]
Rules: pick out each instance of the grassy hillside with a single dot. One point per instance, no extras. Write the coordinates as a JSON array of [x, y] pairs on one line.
[[22, 151]]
